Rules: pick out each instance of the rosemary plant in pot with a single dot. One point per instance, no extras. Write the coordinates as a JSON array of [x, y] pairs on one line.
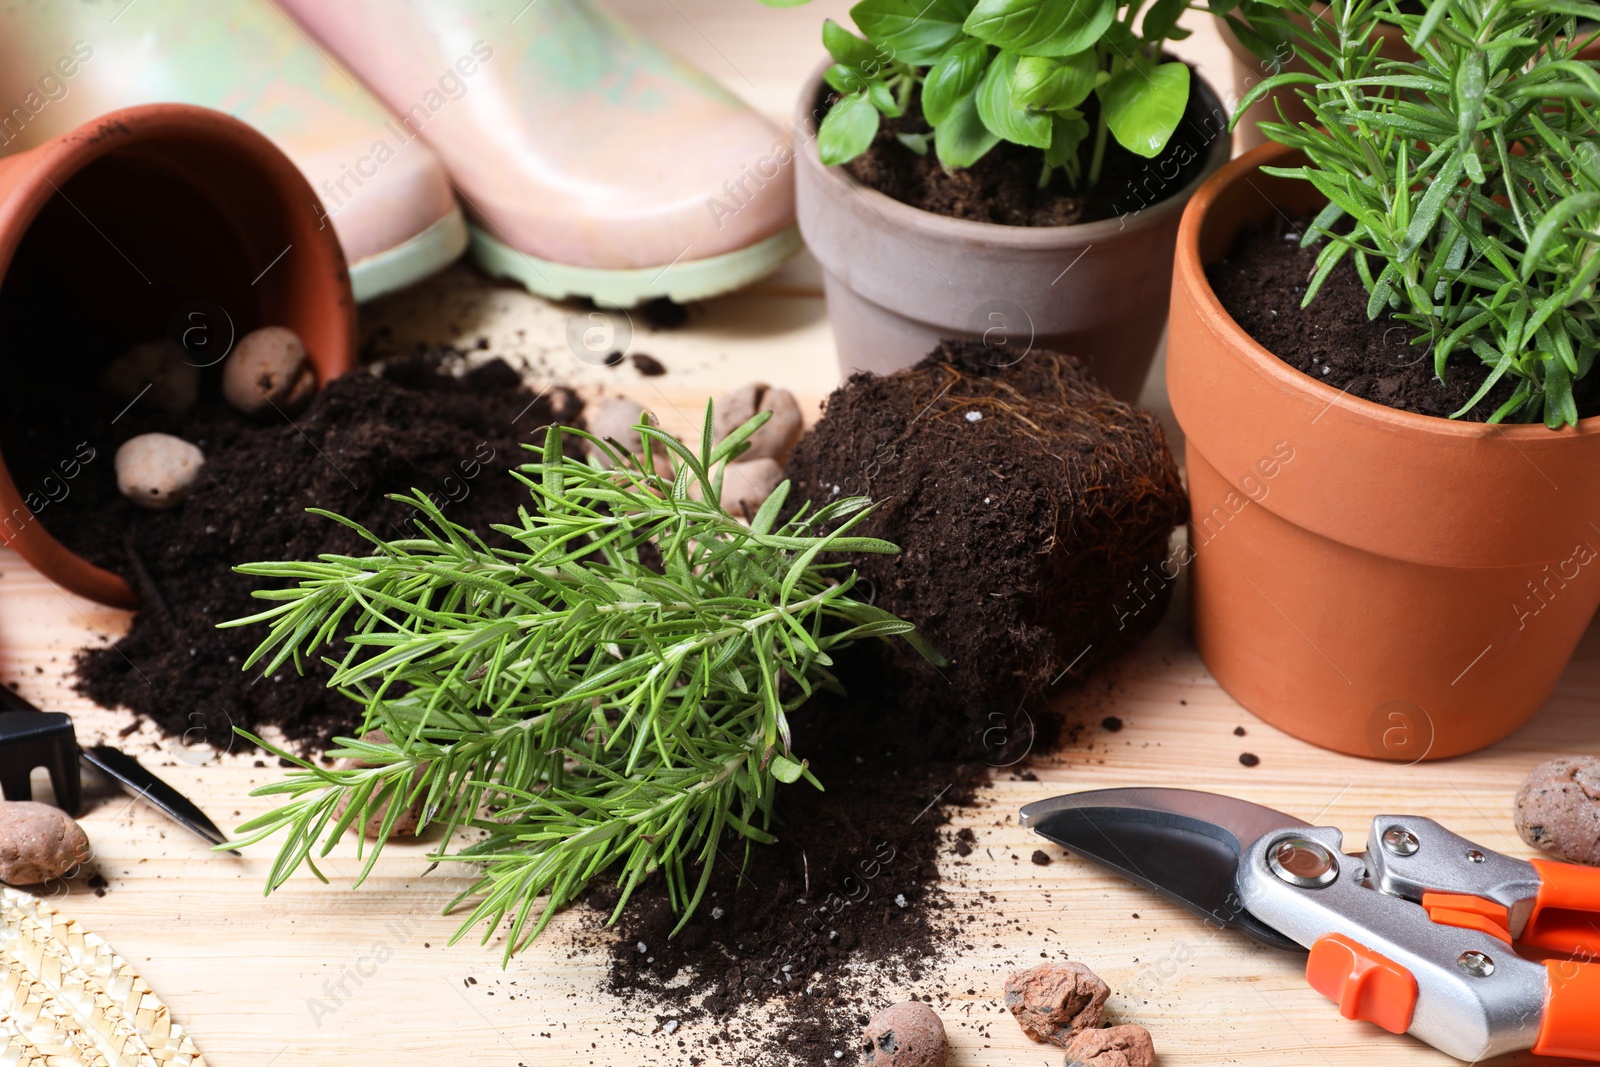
[[604, 694], [1385, 397], [1003, 170], [1262, 45]]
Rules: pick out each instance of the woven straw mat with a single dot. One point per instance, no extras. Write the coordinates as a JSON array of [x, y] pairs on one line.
[[67, 1000]]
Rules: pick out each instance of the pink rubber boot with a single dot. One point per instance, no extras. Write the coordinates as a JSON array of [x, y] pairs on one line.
[[63, 64], [590, 162]]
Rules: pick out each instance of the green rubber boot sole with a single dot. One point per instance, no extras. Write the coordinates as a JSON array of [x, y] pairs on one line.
[[680, 281], [428, 252]]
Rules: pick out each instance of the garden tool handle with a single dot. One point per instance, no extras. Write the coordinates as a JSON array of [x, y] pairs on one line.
[[1571, 1023], [1566, 915]]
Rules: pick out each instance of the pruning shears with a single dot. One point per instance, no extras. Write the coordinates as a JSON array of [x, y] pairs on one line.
[[1417, 935]]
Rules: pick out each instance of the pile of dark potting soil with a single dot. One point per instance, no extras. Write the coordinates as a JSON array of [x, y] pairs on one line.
[[1032, 510], [1003, 187], [853, 878], [1261, 284], [415, 425]]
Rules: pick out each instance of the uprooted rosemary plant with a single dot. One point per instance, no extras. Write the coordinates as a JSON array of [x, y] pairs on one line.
[[1463, 183], [610, 697]]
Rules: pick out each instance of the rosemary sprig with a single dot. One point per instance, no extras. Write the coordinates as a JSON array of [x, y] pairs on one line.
[[1464, 184], [610, 697]]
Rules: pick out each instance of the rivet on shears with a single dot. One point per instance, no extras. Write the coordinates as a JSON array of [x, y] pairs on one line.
[[1303, 862], [1398, 841]]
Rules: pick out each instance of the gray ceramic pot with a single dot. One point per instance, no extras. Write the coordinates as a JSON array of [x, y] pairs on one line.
[[899, 279]]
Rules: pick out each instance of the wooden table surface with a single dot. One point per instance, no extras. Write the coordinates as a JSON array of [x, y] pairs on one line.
[[317, 974]]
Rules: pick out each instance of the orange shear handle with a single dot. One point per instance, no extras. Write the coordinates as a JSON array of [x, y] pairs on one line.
[[1566, 913], [1571, 1023]]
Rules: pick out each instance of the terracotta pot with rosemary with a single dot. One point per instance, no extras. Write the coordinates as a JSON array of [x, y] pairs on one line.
[[1261, 40], [1382, 334], [1009, 171]]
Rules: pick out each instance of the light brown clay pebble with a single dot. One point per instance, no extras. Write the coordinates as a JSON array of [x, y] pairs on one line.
[[745, 486], [776, 436], [405, 824], [266, 371], [1115, 1046], [156, 470], [1558, 809], [1055, 1001], [614, 418], [157, 373], [38, 842], [905, 1035]]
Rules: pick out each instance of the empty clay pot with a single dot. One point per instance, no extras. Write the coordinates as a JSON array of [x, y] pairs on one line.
[[899, 279], [1374, 581], [151, 222]]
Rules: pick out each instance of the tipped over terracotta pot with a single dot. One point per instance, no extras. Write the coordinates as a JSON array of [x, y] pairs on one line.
[[1373, 581], [899, 279], [140, 225]]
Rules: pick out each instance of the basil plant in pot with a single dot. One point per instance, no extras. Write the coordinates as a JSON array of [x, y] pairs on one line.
[[1004, 170], [1383, 330]]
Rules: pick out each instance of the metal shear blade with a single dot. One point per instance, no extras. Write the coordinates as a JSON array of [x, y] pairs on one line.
[[1180, 843]]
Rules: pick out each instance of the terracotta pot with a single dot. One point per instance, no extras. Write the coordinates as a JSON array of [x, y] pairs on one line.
[[899, 279], [1374, 581], [130, 224]]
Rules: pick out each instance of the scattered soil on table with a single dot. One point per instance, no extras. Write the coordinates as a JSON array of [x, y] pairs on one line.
[[647, 365], [1026, 501], [418, 425], [1261, 284], [853, 879], [1003, 186]]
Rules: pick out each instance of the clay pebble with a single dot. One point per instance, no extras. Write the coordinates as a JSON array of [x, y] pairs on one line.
[[1054, 1002], [614, 418], [905, 1035], [776, 436], [1557, 810], [156, 470], [267, 373], [157, 373], [1115, 1046], [38, 842], [617, 418], [406, 823], [745, 486]]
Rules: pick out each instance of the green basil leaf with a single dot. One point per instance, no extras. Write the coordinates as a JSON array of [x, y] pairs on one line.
[[1001, 114], [843, 80], [847, 130], [1142, 108], [847, 49], [1050, 84], [1162, 18], [917, 142], [1071, 130], [962, 139], [953, 77], [884, 100], [911, 31], [1041, 27]]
